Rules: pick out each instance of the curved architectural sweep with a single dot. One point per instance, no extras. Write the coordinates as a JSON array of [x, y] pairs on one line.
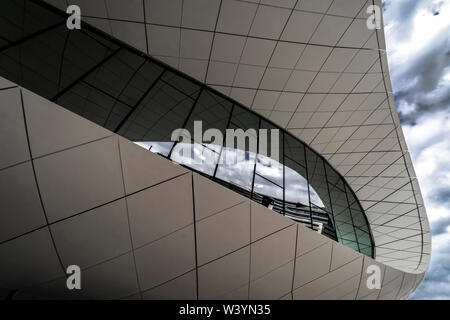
[[138, 212], [316, 70], [147, 102], [158, 233]]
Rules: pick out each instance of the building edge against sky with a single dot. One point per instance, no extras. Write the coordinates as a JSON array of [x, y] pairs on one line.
[[199, 240], [373, 159], [328, 85]]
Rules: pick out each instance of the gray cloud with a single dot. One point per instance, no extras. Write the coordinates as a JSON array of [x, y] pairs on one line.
[[432, 154], [423, 100], [436, 284], [421, 84], [401, 12], [441, 196], [440, 226], [418, 83]]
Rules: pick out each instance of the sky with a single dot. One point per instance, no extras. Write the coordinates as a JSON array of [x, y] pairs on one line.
[[418, 48]]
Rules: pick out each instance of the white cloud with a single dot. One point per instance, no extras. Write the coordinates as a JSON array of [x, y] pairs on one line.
[[417, 38]]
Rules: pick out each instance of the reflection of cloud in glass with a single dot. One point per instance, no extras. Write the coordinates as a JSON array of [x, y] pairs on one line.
[[156, 147], [239, 172], [297, 188], [237, 168], [270, 169], [200, 158], [267, 188]]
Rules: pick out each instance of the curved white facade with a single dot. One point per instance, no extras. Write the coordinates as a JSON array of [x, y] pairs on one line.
[[140, 226], [312, 67], [76, 193]]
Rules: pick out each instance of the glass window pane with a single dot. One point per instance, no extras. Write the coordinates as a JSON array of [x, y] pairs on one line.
[[144, 76], [19, 19], [116, 74], [317, 180], [35, 63], [270, 150], [270, 142], [270, 169], [162, 148], [163, 110], [206, 126], [83, 51], [237, 162], [238, 168], [196, 156], [294, 149], [94, 105], [264, 187], [296, 184], [183, 85], [210, 112]]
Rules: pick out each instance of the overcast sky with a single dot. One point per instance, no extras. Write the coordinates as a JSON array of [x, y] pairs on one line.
[[418, 43]]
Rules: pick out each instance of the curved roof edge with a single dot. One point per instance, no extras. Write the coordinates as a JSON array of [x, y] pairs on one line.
[[326, 269], [328, 86]]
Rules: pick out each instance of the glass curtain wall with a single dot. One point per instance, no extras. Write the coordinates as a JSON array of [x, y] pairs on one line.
[[144, 100]]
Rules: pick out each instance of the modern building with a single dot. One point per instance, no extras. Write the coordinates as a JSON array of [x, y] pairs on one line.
[[91, 176]]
